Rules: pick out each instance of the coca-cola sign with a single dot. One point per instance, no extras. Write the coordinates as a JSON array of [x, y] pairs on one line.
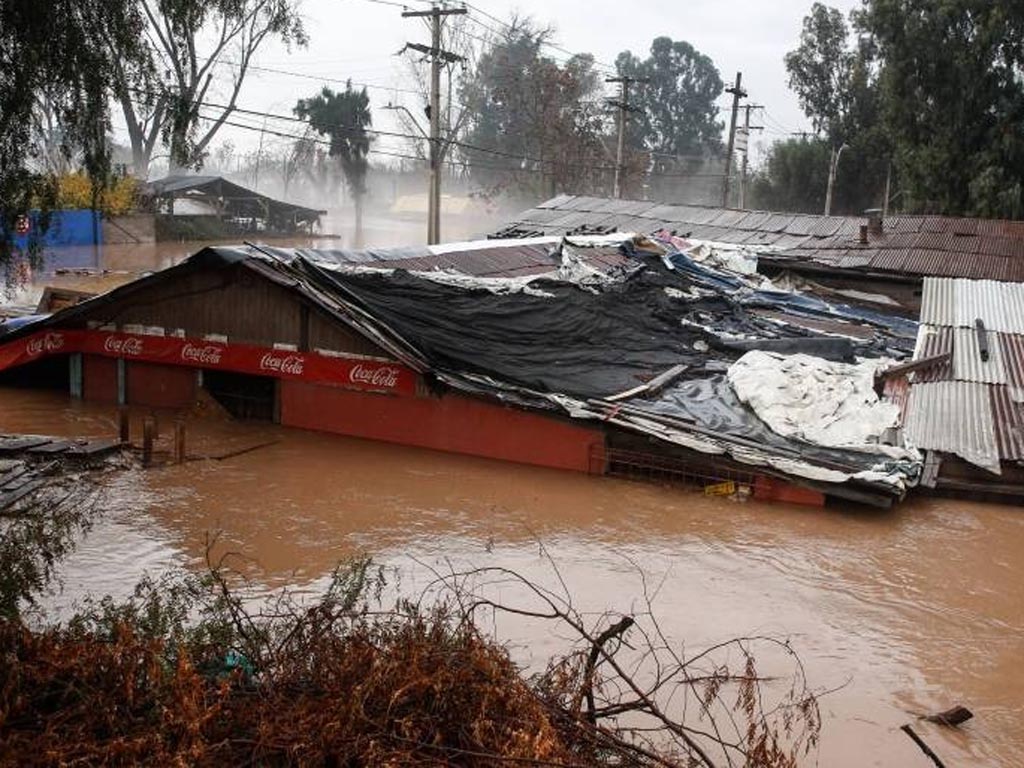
[[128, 345], [379, 376], [290, 365], [202, 354], [46, 342]]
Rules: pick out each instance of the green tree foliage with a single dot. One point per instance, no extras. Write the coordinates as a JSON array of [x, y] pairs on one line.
[[677, 113], [952, 95], [59, 50], [548, 116], [344, 118], [793, 177], [933, 87], [821, 70]]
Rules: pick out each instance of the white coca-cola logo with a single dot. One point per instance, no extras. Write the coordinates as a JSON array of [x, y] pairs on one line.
[[130, 345], [48, 342], [385, 376], [208, 354], [287, 364]]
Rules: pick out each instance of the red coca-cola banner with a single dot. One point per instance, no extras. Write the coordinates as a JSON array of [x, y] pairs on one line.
[[372, 374]]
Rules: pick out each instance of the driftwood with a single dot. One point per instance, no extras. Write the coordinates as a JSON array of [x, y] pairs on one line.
[[924, 747], [951, 717]]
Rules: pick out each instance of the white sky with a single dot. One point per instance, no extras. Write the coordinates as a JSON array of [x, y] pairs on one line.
[[358, 39]]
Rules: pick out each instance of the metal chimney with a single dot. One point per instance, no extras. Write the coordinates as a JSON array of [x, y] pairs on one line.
[[874, 220]]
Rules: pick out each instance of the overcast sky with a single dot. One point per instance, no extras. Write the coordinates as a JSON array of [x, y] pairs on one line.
[[358, 39]]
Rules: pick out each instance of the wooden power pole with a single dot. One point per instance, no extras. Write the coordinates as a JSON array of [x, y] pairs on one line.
[[624, 107], [737, 94], [437, 149], [747, 128]]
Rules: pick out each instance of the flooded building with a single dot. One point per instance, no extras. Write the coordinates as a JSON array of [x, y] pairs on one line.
[[615, 354], [192, 207]]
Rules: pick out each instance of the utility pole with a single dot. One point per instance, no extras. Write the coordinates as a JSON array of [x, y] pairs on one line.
[[437, 150], [737, 94], [747, 128], [624, 108], [833, 166]]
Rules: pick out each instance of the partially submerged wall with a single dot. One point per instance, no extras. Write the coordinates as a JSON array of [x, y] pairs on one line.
[[449, 422]]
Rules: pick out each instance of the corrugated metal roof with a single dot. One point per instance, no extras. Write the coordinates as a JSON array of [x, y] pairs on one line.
[[959, 302], [953, 417], [1008, 419], [968, 364], [948, 410], [908, 245]]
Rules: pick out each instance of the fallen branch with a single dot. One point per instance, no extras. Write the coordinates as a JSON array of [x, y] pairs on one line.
[[924, 747]]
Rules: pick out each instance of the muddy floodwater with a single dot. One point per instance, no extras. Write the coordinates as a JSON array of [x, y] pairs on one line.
[[902, 612]]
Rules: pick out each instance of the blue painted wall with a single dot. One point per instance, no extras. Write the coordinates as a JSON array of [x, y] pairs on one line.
[[66, 228]]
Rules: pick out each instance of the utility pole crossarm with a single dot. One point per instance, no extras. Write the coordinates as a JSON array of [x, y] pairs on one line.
[[437, 52]]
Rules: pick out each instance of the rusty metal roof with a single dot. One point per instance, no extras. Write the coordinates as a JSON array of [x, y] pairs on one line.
[[974, 405], [953, 417], [910, 246]]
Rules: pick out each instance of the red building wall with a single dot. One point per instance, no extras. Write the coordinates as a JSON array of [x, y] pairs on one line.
[[449, 423], [160, 386], [99, 379]]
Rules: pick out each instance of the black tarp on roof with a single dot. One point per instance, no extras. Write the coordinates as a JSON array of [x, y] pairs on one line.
[[559, 337]]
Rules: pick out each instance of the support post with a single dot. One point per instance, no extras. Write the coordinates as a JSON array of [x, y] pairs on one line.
[[179, 441], [124, 429], [148, 428], [737, 94]]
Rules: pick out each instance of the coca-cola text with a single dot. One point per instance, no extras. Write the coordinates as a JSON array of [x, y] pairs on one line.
[[382, 376]]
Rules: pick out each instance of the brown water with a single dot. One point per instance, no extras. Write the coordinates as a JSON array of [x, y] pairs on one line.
[[99, 269], [908, 611]]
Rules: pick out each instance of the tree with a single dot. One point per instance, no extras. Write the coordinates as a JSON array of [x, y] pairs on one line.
[[189, 45], [677, 116], [952, 101], [545, 120], [836, 84], [343, 118], [57, 50], [820, 72]]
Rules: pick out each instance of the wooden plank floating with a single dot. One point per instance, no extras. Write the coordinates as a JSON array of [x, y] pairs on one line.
[[11, 445], [38, 464]]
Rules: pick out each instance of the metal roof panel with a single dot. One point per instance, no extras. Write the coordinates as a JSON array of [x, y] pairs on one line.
[[953, 417]]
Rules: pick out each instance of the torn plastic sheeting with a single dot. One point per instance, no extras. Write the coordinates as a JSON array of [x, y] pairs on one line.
[[818, 401], [836, 349], [798, 303], [712, 406]]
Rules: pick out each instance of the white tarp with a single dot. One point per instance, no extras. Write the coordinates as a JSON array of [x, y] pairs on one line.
[[819, 401]]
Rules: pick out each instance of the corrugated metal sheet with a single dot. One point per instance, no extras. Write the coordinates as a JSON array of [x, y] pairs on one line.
[[908, 245], [1008, 419], [959, 302], [953, 417], [1013, 358], [968, 364], [933, 341]]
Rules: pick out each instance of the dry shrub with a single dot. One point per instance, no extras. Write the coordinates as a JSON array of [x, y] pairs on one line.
[[186, 674]]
